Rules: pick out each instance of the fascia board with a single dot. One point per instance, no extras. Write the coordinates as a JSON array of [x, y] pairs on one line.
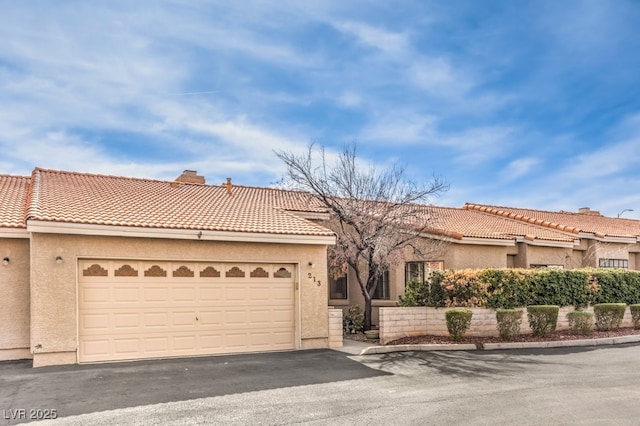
[[310, 215], [550, 243], [609, 239], [486, 241], [179, 234], [470, 240], [14, 233]]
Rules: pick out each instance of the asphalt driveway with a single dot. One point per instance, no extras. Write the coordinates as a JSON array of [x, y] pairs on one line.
[[79, 389]]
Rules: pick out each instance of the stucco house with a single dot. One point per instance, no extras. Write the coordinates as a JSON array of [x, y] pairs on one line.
[[105, 268], [481, 236]]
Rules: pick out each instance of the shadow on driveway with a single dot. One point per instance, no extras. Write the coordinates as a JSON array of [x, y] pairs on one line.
[[79, 389]]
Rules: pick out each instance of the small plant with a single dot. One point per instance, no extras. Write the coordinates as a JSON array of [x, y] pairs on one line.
[[635, 315], [509, 321], [580, 322], [542, 319], [458, 321], [354, 320], [608, 315]]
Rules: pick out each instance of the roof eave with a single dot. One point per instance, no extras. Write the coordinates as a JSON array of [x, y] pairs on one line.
[[179, 234], [14, 233], [548, 243]]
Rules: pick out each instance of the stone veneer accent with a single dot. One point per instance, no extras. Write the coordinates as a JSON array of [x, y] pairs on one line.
[[335, 328], [396, 323]]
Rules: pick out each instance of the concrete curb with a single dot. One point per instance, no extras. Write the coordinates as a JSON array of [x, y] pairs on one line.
[[375, 350], [563, 343]]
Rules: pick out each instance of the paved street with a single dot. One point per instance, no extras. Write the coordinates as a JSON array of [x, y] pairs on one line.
[[585, 386], [79, 389]]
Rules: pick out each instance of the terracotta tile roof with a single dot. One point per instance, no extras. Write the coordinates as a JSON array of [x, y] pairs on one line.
[[576, 223], [14, 191], [458, 223], [111, 200]]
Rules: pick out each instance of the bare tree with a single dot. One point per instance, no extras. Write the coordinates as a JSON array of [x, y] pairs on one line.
[[376, 214]]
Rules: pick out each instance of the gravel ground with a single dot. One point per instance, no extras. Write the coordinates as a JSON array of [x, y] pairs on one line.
[[480, 341]]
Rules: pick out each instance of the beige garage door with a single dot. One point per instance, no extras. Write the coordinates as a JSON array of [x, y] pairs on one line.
[[144, 309]]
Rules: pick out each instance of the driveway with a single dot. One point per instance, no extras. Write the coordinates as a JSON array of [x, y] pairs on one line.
[[79, 389], [567, 386]]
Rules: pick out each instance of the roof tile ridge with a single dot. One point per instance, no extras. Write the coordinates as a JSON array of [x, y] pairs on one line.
[[11, 176], [268, 188], [523, 218], [129, 178], [31, 203]]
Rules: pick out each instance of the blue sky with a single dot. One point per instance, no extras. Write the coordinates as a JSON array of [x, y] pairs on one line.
[[528, 104]]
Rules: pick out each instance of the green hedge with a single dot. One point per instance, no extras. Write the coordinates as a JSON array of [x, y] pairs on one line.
[[635, 315], [580, 322], [509, 321], [511, 288], [458, 322], [542, 319], [609, 315]]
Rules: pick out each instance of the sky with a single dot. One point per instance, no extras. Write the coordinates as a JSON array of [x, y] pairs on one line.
[[526, 104]]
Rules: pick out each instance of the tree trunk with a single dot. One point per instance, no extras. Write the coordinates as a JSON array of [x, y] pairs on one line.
[[367, 313]]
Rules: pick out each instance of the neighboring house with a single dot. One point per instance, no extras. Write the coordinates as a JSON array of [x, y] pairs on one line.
[[478, 236], [103, 268]]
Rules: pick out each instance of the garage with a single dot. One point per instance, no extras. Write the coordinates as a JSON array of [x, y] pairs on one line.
[[138, 309]]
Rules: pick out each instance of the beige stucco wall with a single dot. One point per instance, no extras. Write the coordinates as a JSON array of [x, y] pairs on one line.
[[54, 286], [14, 287], [538, 255], [463, 256], [613, 251]]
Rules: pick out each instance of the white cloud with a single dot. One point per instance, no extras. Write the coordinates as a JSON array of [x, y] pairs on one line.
[[391, 43], [520, 167], [401, 126]]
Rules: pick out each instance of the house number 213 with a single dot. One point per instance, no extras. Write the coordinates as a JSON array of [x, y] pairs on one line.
[[313, 278]]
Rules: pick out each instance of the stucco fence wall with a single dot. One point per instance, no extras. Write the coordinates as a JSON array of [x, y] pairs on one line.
[[335, 328], [396, 323]]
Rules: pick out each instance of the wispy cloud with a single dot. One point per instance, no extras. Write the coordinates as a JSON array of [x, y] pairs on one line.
[[534, 105], [520, 167]]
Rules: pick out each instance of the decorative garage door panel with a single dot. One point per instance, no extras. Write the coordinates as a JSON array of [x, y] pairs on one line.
[[146, 309]]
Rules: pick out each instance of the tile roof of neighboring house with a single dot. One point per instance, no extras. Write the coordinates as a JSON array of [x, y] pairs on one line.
[[81, 198], [576, 223], [458, 223], [14, 191]]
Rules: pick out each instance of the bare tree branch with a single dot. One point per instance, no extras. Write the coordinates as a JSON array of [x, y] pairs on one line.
[[376, 214]]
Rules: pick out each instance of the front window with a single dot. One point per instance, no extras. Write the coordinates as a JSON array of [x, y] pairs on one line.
[[338, 287], [382, 289], [613, 263], [419, 271], [545, 266]]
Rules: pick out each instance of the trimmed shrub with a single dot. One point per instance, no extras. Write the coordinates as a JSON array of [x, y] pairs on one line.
[[416, 293], [580, 322], [424, 293], [354, 320], [542, 319], [635, 315], [608, 315], [458, 321], [509, 321]]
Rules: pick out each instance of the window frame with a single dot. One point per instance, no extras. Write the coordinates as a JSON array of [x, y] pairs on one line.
[[335, 281], [607, 262], [425, 267]]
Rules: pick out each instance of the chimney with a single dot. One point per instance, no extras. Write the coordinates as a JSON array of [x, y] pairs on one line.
[[228, 185], [190, 176], [588, 211]]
